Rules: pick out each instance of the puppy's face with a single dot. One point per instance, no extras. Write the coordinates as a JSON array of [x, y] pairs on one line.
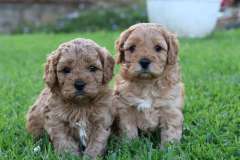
[[144, 50], [79, 69], [79, 73]]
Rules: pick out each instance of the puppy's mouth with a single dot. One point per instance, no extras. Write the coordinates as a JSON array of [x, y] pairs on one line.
[[83, 94], [145, 73], [79, 93]]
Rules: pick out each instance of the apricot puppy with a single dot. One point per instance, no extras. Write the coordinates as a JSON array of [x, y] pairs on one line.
[[148, 92], [75, 106]]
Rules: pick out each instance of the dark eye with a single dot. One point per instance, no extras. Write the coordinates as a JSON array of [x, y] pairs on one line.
[[158, 48], [66, 70], [132, 48], [92, 68]]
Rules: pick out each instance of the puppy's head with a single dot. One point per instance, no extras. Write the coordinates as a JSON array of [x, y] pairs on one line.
[[78, 69], [144, 50]]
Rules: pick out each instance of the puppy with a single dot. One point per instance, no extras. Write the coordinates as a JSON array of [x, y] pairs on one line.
[[148, 92], [75, 108]]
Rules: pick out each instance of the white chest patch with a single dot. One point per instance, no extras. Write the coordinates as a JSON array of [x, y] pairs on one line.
[[82, 132], [144, 104]]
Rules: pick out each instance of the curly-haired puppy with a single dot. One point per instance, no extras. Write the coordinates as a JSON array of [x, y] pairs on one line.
[[75, 108], [149, 91]]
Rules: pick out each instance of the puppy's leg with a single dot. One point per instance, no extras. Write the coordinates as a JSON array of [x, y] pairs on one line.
[[35, 120], [97, 142], [61, 137], [171, 121], [127, 123]]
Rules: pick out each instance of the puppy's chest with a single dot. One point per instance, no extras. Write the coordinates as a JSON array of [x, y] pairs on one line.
[[159, 92], [81, 128], [148, 117], [149, 94], [80, 124], [82, 131]]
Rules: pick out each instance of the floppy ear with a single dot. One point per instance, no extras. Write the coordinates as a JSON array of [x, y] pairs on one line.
[[107, 63], [120, 43], [50, 75], [172, 49]]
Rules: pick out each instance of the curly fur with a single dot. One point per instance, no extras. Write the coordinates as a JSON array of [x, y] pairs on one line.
[[76, 122], [149, 99]]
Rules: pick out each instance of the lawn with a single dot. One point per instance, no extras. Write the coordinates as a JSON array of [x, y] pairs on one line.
[[210, 71]]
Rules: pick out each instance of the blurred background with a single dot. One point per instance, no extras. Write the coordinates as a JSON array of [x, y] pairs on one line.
[[191, 18], [26, 16]]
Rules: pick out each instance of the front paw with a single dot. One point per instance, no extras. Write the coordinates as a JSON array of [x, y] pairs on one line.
[[144, 104], [89, 155]]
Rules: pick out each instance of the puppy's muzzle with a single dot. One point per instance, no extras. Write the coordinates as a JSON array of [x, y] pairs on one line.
[[79, 85], [144, 62]]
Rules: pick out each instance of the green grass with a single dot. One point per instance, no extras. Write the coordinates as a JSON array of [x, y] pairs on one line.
[[210, 70]]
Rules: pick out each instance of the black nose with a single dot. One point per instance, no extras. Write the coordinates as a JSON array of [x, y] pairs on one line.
[[79, 85], [144, 62]]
